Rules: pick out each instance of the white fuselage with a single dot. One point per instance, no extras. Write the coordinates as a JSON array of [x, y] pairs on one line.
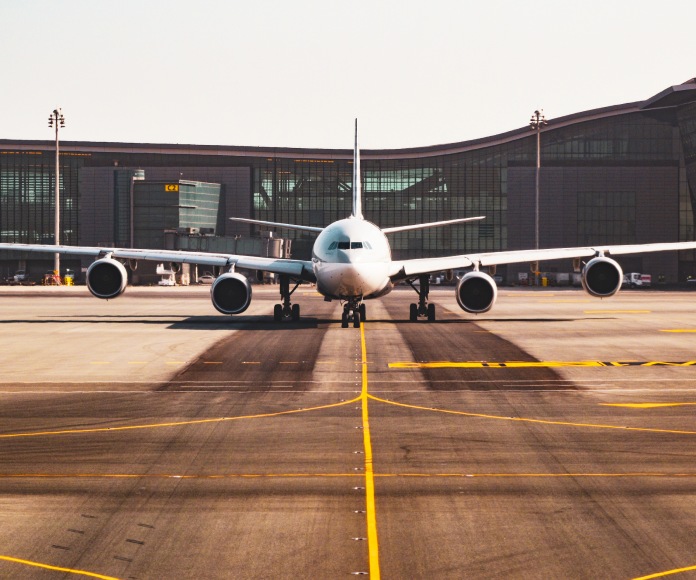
[[351, 258]]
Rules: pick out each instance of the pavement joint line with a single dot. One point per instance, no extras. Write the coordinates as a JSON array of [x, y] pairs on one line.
[[435, 475], [617, 312]]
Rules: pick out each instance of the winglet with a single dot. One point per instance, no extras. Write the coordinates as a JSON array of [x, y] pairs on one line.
[[357, 188]]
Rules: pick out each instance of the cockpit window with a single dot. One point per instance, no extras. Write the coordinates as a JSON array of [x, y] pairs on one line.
[[346, 245]]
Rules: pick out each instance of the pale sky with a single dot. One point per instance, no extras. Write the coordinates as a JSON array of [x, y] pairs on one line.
[[295, 73]]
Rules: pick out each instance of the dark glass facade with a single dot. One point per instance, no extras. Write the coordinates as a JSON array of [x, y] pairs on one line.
[[622, 174]]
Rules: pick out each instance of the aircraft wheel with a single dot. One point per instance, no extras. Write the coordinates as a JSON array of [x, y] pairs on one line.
[[278, 312], [356, 319], [414, 312], [344, 320], [431, 313], [295, 313], [362, 313]]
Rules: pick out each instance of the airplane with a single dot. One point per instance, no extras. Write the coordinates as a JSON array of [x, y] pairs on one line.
[[352, 262]]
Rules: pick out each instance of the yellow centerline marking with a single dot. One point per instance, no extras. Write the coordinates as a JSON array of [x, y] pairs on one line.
[[56, 568], [372, 543]]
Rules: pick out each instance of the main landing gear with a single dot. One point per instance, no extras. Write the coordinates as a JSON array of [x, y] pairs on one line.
[[422, 309], [354, 311], [286, 310]]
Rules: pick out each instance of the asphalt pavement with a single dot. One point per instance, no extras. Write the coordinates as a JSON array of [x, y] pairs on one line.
[[150, 437]]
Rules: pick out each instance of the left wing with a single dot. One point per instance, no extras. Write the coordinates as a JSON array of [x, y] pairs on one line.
[[409, 268], [297, 268]]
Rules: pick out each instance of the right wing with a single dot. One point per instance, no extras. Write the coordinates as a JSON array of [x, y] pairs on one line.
[[410, 268]]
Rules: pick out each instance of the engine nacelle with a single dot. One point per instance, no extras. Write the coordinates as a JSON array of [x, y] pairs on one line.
[[476, 292], [602, 277], [106, 278], [231, 293]]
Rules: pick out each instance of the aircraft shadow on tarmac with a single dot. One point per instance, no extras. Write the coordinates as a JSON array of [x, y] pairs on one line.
[[267, 323], [214, 322]]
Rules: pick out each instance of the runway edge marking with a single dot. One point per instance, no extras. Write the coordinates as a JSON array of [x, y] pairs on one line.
[[372, 543]]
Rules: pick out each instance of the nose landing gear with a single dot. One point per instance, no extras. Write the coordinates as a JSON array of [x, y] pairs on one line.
[[354, 311]]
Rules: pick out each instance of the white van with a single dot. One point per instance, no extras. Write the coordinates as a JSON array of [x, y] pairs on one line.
[[637, 280]]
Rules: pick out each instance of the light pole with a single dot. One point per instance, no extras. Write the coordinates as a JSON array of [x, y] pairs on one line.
[[57, 120], [536, 123]]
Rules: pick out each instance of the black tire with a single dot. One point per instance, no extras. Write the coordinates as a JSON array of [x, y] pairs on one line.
[[344, 320], [278, 312], [295, 312], [431, 313], [356, 319], [414, 312], [362, 313]]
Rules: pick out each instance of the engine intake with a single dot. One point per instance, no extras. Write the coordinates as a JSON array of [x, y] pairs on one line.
[[231, 293], [476, 292], [602, 277], [106, 278]]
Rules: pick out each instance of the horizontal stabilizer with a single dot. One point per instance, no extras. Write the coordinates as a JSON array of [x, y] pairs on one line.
[[277, 225], [430, 225]]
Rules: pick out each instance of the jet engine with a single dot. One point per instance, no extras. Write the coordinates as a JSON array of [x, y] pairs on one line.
[[231, 293], [106, 278], [476, 292], [602, 277]]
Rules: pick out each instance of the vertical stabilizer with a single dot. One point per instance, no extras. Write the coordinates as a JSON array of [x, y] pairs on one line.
[[357, 185]]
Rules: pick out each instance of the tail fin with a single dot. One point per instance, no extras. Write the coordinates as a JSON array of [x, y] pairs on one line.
[[357, 185]]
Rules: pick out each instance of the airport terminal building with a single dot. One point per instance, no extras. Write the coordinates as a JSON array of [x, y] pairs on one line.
[[622, 174]]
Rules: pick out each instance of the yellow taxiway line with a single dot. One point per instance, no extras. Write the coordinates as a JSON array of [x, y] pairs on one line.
[[666, 573], [646, 405], [56, 568], [475, 364]]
